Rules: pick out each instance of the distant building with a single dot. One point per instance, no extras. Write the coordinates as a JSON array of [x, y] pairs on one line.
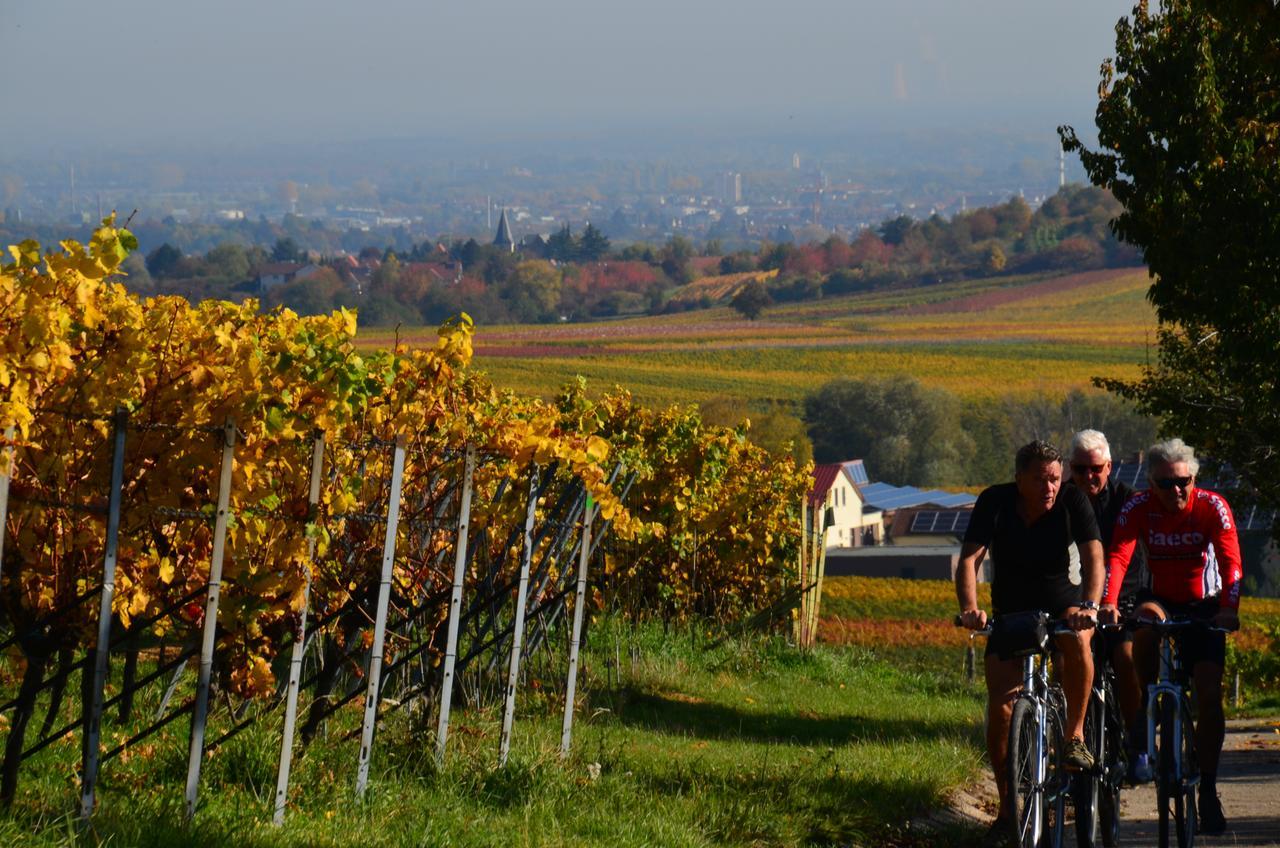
[[278, 273], [503, 237], [731, 188], [850, 522], [913, 563]]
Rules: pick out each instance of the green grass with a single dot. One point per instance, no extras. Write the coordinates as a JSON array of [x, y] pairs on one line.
[[736, 744]]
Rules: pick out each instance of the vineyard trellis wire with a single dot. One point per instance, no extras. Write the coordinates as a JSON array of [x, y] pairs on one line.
[[433, 507]]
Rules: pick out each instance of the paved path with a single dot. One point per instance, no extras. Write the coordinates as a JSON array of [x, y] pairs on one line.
[[1248, 785]]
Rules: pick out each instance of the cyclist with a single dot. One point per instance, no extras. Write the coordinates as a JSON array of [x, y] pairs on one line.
[[1193, 555], [1091, 474], [1029, 527]]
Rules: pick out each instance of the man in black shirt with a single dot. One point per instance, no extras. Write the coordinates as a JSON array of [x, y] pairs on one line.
[[1030, 527]]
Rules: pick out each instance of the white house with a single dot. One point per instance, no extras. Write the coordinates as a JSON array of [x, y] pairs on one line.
[[852, 522]]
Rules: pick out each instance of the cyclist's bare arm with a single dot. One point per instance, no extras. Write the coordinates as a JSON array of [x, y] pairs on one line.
[[971, 556], [1091, 576]]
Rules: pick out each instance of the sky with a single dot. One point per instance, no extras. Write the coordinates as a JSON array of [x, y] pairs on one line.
[[174, 73]]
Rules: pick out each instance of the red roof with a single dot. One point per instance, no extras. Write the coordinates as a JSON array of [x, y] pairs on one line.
[[824, 477], [278, 269]]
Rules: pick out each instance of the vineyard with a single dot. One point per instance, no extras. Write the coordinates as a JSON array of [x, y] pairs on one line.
[[979, 339], [910, 621], [235, 516]]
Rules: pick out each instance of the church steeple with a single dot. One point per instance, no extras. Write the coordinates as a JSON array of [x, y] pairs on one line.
[[503, 237]]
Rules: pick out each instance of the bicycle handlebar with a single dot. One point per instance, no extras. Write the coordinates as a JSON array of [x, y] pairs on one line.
[[1168, 625], [1057, 627]]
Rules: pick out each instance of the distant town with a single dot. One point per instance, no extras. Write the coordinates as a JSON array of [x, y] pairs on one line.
[[738, 193]]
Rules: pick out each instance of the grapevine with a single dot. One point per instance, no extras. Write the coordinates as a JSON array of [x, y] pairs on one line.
[[75, 346]]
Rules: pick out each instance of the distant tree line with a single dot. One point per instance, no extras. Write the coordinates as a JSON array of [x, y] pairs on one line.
[[910, 434], [580, 275]]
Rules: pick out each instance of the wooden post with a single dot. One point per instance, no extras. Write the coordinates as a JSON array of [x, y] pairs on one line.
[[802, 615], [299, 641], [517, 635], [201, 711], [7, 459], [817, 589], [455, 605], [380, 619], [90, 755], [579, 608]]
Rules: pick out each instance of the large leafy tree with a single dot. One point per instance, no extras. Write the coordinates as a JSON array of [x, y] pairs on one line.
[[907, 433], [1189, 135]]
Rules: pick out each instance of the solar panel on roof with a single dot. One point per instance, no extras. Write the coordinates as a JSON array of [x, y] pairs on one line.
[[1255, 518], [857, 471], [1133, 473], [951, 521], [884, 496], [923, 522]]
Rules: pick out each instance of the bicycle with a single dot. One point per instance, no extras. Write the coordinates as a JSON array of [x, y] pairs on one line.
[[1038, 782], [1171, 734], [1096, 794]]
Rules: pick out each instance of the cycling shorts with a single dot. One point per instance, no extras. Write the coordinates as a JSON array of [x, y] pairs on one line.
[[1195, 644], [1008, 645]]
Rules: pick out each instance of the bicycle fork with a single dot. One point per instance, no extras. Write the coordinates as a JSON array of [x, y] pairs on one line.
[[1156, 693], [1040, 774]]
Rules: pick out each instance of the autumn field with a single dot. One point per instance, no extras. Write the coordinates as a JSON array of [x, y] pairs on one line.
[[909, 623], [979, 339]]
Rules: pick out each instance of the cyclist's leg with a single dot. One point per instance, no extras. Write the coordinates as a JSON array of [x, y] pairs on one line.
[[1210, 723], [1004, 678], [1204, 654], [1076, 677], [1146, 662], [1210, 731]]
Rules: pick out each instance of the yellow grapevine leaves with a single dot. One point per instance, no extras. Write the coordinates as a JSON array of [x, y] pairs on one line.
[[72, 339]]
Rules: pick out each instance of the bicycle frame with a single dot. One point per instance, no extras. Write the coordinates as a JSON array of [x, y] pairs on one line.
[[1169, 682], [1049, 785], [1035, 683]]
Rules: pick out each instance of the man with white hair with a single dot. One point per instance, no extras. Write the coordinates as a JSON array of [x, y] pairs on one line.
[[1090, 467], [1193, 555]]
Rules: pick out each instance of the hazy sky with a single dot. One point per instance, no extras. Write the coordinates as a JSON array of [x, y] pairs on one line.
[[180, 73]]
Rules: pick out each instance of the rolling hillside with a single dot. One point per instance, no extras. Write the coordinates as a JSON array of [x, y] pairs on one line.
[[978, 338]]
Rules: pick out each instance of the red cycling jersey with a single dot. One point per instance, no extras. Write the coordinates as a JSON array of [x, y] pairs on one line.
[[1192, 555]]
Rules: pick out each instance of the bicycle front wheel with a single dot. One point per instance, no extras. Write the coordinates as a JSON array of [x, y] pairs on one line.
[[1115, 766], [1025, 770], [1086, 787], [1184, 798], [1175, 794], [1037, 790]]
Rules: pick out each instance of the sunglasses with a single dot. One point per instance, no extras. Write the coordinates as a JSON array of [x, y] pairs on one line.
[[1085, 469], [1170, 482]]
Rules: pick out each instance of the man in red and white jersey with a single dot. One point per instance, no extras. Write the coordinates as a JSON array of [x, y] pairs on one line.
[[1193, 558]]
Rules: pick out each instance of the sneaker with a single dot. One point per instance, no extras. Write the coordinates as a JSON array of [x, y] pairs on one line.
[[1212, 822], [1140, 769], [1077, 756]]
